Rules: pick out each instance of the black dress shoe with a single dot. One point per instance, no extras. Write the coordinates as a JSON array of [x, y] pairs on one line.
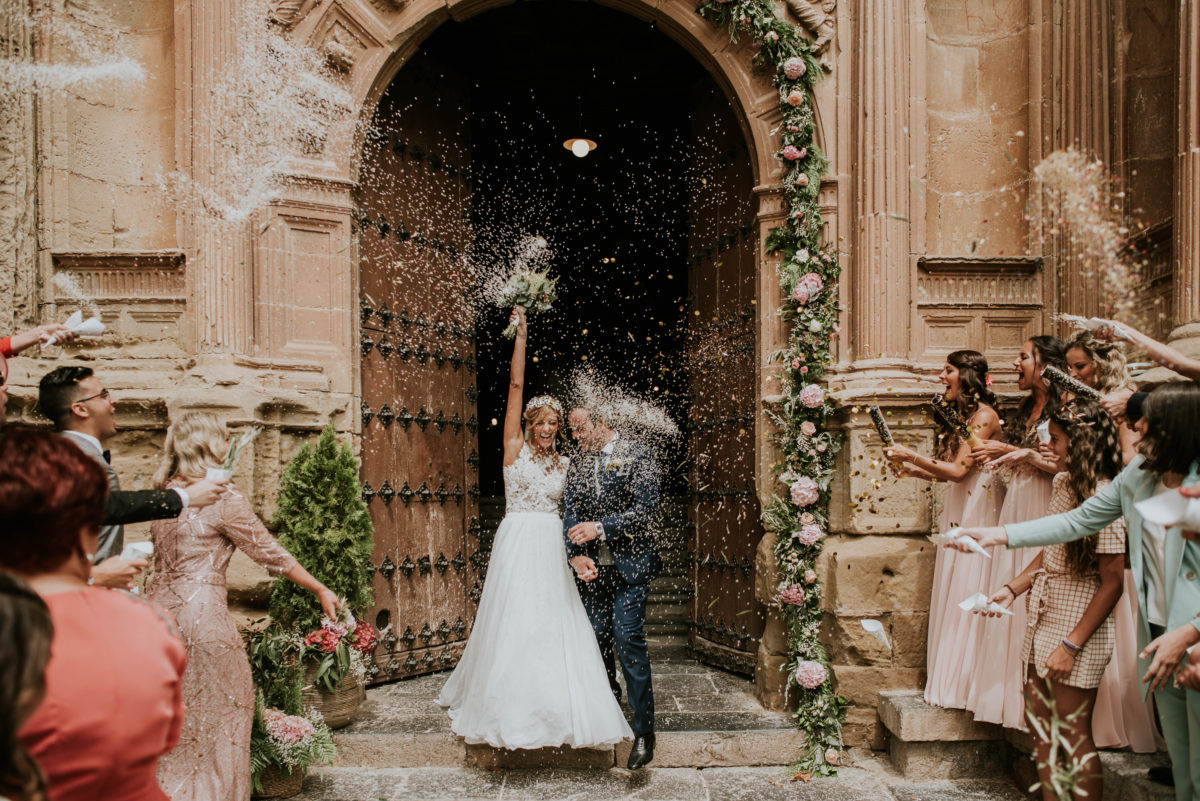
[[1161, 774], [642, 751]]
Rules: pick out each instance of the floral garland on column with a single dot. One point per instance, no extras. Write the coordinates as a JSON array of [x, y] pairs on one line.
[[808, 276]]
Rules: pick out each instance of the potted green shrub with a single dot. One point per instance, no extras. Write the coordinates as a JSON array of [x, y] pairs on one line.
[[322, 520]]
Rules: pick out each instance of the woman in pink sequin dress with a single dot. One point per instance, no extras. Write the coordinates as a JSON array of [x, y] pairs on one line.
[[192, 553]]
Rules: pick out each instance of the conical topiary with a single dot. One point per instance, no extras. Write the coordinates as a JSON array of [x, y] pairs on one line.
[[322, 520]]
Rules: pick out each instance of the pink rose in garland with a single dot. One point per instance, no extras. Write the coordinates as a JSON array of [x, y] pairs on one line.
[[805, 491], [802, 179], [771, 37], [792, 596], [808, 428], [810, 576], [809, 535], [794, 67], [792, 153], [812, 396], [811, 675], [807, 288], [795, 98]]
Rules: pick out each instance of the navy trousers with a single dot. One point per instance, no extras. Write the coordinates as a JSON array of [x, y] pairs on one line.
[[617, 611]]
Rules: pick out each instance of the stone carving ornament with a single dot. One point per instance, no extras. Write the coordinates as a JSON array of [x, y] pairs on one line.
[[288, 12], [819, 19]]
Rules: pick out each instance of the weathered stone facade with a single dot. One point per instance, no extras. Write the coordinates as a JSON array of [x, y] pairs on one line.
[[932, 115]]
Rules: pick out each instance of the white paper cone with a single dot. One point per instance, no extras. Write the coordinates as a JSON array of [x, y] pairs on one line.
[[138, 550], [1043, 432], [75, 319], [218, 474], [90, 327], [875, 628], [979, 603], [1170, 508], [953, 536]]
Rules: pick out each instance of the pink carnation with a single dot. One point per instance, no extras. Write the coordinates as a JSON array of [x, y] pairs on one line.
[[289, 729], [804, 491], [809, 535], [795, 98], [794, 67], [811, 675], [792, 596], [808, 428], [812, 396], [792, 153]]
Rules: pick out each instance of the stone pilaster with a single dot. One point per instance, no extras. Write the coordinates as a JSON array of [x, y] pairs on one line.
[[220, 256], [880, 278], [18, 188], [1186, 335]]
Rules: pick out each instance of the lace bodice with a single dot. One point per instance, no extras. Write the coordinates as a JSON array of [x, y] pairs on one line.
[[530, 487]]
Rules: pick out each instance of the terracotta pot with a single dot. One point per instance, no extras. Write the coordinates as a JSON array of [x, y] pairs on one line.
[[338, 708]]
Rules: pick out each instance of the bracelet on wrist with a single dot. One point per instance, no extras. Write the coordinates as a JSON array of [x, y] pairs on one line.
[[1010, 589], [1072, 647]]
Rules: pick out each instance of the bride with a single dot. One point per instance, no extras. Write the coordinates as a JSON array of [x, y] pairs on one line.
[[531, 675]]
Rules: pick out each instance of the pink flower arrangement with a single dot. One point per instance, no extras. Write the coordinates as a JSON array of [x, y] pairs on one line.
[[364, 638], [804, 491], [807, 288], [808, 428], [811, 675], [792, 596], [809, 535], [794, 67], [812, 396], [795, 98], [792, 153], [323, 639], [290, 729]]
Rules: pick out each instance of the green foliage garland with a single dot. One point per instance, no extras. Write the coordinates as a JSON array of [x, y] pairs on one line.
[[808, 277], [322, 520]]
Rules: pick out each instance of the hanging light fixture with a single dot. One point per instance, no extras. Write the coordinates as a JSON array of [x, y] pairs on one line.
[[580, 147]]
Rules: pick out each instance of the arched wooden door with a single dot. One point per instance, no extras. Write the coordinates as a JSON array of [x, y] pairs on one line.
[[420, 457], [726, 621]]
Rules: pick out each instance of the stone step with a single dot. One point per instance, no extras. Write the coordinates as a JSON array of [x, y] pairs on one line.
[[908, 718]]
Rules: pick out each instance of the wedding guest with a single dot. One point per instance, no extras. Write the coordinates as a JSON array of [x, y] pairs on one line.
[[11, 346], [212, 760], [113, 704], [1073, 589], [25, 632], [1165, 563], [996, 694], [82, 408], [1167, 356], [1121, 718], [972, 499]]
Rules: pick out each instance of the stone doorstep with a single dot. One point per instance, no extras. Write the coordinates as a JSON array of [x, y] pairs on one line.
[[909, 719], [673, 749]]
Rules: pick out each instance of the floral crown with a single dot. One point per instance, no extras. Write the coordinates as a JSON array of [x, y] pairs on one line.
[[543, 400]]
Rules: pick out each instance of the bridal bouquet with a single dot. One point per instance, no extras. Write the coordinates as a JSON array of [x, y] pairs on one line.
[[531, 290]]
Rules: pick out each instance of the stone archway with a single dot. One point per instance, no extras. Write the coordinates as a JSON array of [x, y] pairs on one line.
[[371, 44]]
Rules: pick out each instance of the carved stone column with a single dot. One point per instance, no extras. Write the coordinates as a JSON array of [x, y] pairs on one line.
[[1186, 335], [18, 189], [220, 256], [881, 280]]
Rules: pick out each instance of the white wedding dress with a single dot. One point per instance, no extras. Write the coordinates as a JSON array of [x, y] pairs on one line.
[[531, 675]]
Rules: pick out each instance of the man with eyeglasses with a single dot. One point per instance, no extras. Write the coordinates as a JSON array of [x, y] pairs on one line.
[[83, 410]]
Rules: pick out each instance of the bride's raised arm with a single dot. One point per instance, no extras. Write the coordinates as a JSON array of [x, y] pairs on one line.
[[513, 439]]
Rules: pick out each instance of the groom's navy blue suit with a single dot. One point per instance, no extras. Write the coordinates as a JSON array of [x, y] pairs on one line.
[[619, 491]]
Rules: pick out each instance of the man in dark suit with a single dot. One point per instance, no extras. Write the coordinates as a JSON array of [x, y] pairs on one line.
[[612, 489], [81, 408]]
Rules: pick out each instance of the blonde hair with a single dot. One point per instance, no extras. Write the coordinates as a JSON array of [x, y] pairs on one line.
[[1111, 371], [191, 447], [536, 415]]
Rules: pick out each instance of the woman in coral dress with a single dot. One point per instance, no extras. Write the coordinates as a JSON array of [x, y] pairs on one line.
[[997, 695], [972, 498], [192, 553]]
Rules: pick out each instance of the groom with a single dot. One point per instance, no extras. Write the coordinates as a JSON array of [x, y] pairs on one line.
[[612, 489]]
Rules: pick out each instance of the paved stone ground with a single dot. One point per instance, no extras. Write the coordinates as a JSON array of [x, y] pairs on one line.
[[715, 744]]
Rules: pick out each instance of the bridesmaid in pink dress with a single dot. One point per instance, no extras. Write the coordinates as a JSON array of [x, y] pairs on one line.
[[1122, 718], [998, 693], [191, 555], [972, 498]]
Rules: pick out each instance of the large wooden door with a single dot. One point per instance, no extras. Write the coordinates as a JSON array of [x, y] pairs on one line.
[[726, 621], [419, 447]]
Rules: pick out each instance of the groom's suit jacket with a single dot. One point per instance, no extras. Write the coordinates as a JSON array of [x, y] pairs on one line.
[[620, 492]]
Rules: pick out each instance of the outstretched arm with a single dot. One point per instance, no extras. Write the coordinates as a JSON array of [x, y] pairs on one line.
[[1165, 355], [516, 391]]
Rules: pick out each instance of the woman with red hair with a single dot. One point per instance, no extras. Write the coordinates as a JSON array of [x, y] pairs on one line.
[[113, 701]]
